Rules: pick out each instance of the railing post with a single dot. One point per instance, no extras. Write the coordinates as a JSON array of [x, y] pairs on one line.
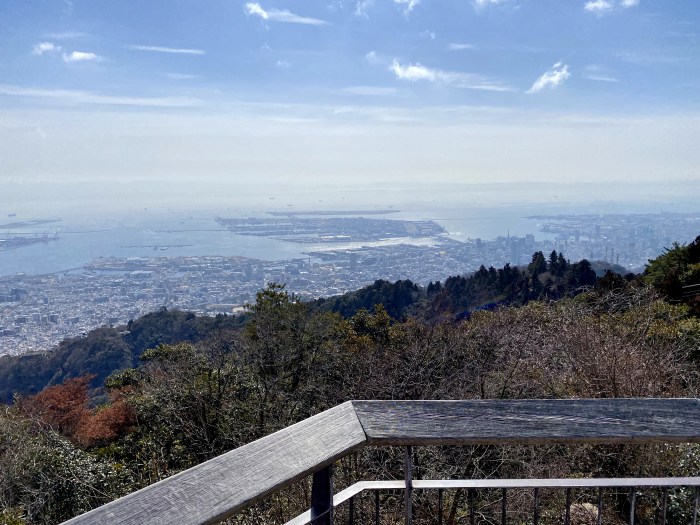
[[536, 504], [322, 497], [408, 476], [633, 501], [472, 506], [664, 503]]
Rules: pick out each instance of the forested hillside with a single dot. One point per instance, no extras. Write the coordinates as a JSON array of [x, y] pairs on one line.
[[104, 350], [551, 330]]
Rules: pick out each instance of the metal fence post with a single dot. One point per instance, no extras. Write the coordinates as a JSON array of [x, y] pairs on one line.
[[536, 504], [322, 497], [408, 476], [376, 508], [472, 507], [664, 503], [633, 501]]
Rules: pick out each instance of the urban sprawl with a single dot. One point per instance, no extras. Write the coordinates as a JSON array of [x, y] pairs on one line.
[[38, 311]]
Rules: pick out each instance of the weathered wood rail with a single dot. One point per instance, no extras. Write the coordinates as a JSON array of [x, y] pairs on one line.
[[221, 487]]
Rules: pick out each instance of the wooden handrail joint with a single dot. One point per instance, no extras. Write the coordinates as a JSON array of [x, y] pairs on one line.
[[220, 487]]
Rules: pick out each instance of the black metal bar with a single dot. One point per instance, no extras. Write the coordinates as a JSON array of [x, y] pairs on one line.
[[322, 491], [322, 497], [408, 476], [664, 502], [633, 501], [472, 507], [504, 495], [376, 508]]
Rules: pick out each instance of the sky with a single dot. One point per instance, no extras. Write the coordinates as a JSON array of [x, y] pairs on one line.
[[207, 98]]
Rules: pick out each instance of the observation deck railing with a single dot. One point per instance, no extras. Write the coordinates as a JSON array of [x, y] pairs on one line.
[[227, 484]]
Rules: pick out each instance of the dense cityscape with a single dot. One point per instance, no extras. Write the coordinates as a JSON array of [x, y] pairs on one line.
[[38, 311]]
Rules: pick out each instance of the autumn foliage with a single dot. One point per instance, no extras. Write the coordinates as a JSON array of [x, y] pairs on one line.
[[64, 408]]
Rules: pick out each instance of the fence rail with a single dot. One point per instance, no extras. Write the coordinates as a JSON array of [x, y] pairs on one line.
[[472, 485], [221, 487]]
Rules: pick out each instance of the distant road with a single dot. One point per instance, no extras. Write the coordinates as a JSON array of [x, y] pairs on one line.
[[157, 246], [327, 213], [183, 231]]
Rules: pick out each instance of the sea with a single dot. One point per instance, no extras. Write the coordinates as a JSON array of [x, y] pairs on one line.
[[149, 228]]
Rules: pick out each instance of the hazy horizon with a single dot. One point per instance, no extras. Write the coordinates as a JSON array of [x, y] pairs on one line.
[[85, 201], [107, 106]]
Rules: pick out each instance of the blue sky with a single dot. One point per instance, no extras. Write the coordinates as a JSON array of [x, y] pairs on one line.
[[292, 91]]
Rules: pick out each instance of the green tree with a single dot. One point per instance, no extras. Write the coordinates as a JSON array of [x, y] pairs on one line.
[[284, 345], [44, 478], [676, 274]]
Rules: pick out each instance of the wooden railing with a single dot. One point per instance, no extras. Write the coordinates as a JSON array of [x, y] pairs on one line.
[[223, 486]]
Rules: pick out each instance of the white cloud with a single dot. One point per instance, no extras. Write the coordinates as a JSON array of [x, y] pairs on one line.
[[416, 72], [281, 15], [598, 6], [413, 72], [369, 91], [45, 47], [598, 73], [66, 35], [374, 59], [81, 56], [481, 4], [427, 34], [174, 50], [283, 64], [362, 6], [650, 58], [460, 47], [255, 9], [601, 7], [552, 78], [407, 5], [181, 76], [601, 78], [87, 97]]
